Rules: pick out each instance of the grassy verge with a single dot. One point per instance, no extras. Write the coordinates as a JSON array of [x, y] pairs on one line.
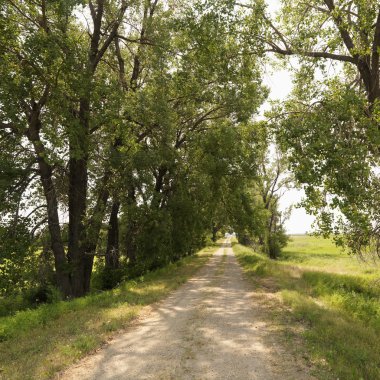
[[35, 344], [330, 299]]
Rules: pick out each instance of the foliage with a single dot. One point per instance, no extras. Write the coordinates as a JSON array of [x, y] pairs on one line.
[[330, 146], [273, 182], [118, 136], [329, 125], [15, 245]]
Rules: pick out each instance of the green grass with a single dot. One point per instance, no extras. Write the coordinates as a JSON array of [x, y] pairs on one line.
[[321, 254], [35, 344], [333, 298]]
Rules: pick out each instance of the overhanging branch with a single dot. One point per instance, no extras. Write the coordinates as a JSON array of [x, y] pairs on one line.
[[313, 54]]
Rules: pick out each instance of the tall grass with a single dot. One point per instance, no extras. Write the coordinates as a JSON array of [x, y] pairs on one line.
[[333, 296], [35, 344]]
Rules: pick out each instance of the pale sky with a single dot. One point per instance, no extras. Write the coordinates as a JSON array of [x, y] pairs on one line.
[[280, 84]]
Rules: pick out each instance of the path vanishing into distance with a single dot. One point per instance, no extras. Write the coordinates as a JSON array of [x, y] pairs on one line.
[[212, 327]]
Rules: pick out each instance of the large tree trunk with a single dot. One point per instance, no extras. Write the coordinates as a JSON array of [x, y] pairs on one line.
[[215, 230], [46, 175], [93, 228], [80, 258], [77, 203], [94, 225], [130, 237], [112, 251]]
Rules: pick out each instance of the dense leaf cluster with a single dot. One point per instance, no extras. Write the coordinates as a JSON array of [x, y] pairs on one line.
[[126, 135]]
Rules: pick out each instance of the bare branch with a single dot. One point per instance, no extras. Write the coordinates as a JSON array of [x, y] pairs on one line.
[[112, 34], [279, 34], [312, 54]]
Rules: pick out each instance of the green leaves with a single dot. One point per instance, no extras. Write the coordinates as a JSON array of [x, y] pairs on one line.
[[155, 116], [329, 127], [331, 142]]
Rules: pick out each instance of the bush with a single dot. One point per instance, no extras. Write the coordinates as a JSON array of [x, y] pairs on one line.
[[110, 278], [12, 303], [276, 241], [42, 294]]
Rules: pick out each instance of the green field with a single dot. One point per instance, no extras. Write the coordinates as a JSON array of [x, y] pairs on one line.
[[314, 253], [328, 298], [35, 344]]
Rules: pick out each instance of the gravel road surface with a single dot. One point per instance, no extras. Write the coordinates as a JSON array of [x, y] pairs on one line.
[[212, 327]]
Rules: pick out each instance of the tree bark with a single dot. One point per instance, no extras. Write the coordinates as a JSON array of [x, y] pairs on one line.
[[80, 258], [46, 175], [215, 230], [130, 243], [112, 251], [78, 202]]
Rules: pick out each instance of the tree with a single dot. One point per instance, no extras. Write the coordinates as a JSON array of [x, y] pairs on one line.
[[53, 96], [273, 181], [347, 32], [329, 126], [166, 199], [105, 111]]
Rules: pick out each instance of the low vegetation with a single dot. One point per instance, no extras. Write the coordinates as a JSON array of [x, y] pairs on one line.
[[330, 298], [35, 344]]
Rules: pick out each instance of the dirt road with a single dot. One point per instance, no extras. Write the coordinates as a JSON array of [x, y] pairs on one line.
[[210, 328]]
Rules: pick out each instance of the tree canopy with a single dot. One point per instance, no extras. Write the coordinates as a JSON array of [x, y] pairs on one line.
[[329, 126], [129, 131], [126, 131]]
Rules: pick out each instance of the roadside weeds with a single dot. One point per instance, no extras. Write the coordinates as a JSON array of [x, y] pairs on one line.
[[332, 320], [36, 344]]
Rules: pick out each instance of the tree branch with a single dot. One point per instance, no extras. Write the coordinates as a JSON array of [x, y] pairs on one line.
[[313, 54], [339, 23], [10, 126], [375, 51], [112, 34]]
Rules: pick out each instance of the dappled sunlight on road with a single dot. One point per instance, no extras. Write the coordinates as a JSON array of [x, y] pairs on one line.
[[208, 329]]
